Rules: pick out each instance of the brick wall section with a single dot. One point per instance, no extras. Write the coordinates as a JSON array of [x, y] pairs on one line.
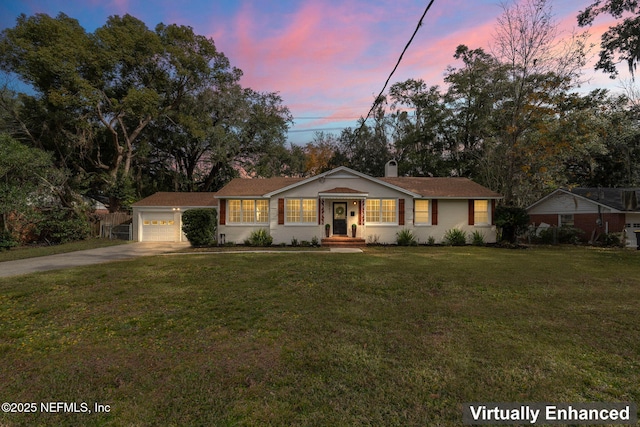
[[586, 222]]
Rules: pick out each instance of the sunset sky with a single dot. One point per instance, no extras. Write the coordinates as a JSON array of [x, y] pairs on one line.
[[328, 59]]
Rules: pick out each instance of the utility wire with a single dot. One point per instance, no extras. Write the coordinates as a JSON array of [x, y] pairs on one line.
[[377, 100]]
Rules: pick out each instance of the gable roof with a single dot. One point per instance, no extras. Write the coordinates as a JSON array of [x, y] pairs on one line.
[[166, 199], [620, 199], [462, 188], [341, 171]]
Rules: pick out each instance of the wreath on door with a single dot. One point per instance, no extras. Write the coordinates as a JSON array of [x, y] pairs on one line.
[[340, 210]]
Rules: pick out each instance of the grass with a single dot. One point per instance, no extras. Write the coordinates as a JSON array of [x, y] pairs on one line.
[[394, 336], [24, 252]]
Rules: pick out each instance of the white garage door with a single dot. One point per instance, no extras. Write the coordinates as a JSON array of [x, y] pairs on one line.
[[158, 227]]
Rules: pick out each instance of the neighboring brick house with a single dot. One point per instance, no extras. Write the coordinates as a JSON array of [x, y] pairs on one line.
[[595, 211]]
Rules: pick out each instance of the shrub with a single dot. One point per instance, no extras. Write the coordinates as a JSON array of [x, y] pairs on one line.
[[60, 225], [569, 235], [406, 238], [259, 237], [431, 241], [7, 241], [200, 226], [559, 235], [477, 238], [612, 240], [373, 239], [315, 242], [512, 221], [455, 237], [294, 242]]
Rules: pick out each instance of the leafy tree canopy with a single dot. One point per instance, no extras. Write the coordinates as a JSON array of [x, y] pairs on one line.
[[622, 39]]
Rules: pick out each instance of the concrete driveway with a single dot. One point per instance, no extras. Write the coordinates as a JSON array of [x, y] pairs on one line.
[[87, 257]]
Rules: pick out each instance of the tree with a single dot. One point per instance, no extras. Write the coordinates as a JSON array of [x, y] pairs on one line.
[[512, 220], [25, 179], [127, 107], [540, 71], [622, 39], [366, 149], [320, 153], [420, 116], [474, 91]]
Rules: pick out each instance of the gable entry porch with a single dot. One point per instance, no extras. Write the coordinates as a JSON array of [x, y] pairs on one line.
[[343, 210]]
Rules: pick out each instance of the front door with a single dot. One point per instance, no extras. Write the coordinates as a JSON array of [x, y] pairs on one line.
[[340, 218]]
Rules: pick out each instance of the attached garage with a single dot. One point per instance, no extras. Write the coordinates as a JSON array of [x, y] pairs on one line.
[[158, 218]]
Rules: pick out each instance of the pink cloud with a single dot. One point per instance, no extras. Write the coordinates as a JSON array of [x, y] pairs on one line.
[[331, 60]]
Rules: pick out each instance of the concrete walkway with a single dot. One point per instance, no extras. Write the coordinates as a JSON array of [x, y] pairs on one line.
[[113, 253], [87, 257]]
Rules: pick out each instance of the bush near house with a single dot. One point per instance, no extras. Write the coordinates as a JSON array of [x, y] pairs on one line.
[[200, 226], [455, 237], [59, 225], [477, 238], [259, 238], [405, 237], [512, 221]]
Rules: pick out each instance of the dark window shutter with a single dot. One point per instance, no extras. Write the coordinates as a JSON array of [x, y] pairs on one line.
[[493, 210], [471, 212], [223, 211], [280, 211], [434, 212], [401, 211]]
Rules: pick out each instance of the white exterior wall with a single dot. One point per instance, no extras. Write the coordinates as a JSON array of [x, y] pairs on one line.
[[452, 213], [387, 233]]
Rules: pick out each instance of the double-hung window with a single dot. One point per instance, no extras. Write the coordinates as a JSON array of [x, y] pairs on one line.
[[381, 211], [481, 212], [421, 215], [301, 211], [248, 211], [566, 220]]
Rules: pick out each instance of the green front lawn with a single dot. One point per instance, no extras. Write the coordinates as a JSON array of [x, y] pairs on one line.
[[393, 336]]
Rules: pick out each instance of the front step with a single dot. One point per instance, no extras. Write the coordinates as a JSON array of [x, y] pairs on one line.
[[343, 242]]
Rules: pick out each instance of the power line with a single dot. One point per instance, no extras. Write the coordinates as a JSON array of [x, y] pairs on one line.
[[376, 101], [314, 130]]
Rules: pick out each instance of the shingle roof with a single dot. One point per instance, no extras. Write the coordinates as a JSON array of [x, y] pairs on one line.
[[442, 187], [622, 199], [255, 187], [179, 199], [426, 187]]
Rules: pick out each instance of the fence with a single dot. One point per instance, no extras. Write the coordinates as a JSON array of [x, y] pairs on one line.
[[115, 225]]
